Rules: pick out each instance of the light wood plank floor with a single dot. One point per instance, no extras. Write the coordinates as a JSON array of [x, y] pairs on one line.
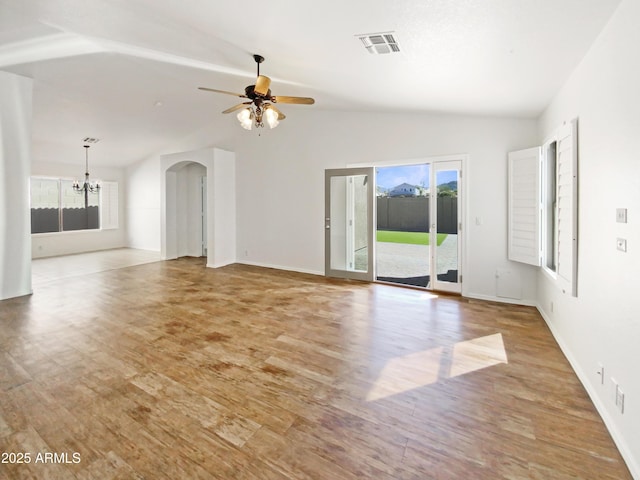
[[56, 268], [172, 370]]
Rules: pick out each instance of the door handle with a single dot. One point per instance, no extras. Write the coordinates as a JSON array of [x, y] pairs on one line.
[[327, 223]]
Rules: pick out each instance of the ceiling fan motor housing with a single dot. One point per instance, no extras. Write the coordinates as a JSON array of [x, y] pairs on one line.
[[250, 93]]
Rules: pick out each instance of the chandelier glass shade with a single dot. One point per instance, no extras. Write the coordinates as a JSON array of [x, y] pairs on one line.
[[272, 117], [250, 115], [245, 117]]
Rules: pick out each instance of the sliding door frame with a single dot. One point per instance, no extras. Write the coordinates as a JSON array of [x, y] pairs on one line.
[[331, 224]]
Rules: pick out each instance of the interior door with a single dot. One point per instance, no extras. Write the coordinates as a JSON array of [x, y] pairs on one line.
[[349, 232], [446, 226]]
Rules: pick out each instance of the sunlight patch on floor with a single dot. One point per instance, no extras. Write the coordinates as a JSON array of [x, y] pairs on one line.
[[402, 374], [481, 352]]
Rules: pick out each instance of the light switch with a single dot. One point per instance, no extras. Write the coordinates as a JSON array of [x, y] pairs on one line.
[[621, 215]]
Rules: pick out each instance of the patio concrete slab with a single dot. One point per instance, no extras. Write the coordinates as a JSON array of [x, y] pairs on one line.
[[402, 260]]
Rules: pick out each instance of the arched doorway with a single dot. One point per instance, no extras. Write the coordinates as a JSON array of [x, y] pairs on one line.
[[198, 211], [186, 202]]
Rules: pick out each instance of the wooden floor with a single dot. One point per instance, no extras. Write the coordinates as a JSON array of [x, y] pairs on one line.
[[172, 370]]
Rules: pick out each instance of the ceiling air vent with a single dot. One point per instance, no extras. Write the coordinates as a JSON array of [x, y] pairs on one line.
[[379, 43]]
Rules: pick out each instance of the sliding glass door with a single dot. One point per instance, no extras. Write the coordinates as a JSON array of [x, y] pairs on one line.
[[445, 228], [407, 225], [349, 222]]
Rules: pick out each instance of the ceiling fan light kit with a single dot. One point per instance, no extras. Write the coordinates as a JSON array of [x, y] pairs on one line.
[[260, 107], [245, 117]]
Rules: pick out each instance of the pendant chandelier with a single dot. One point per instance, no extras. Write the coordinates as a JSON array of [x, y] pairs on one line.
[[87, 186]]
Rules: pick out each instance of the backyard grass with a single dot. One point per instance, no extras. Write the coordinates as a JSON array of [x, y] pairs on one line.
[[412, 238]]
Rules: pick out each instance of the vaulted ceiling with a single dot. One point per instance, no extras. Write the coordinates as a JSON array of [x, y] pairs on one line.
[[127, 72]]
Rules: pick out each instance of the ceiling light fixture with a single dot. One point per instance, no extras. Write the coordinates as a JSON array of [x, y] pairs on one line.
[[260, 107], [259, 113], [87, 187]]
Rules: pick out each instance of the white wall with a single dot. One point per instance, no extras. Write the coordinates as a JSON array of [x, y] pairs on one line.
[[144, 182], [281, 183], [15, 166], [143, 204], [65, 243], [603, 323], [221, 204]]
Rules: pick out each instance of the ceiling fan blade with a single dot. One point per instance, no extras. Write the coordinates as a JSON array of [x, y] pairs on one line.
[[262, 85], [241, 95], [236, 107], [281, 116], [297, 100]]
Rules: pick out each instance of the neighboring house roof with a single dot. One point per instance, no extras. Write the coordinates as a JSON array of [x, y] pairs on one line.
[[404, 189]]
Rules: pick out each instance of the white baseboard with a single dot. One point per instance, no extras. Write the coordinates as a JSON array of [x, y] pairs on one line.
[[618, 439], [282, 267], [218, 265], [491, 298]]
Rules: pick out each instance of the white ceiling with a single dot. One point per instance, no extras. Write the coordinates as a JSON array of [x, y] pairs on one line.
[[100, 66]]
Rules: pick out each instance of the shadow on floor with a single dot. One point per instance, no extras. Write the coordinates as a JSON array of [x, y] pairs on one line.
[[422, 281]]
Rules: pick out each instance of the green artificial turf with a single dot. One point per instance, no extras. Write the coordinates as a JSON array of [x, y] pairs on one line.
[[411, 238]]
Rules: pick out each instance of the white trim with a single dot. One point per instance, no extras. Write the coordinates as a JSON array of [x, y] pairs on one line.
[[491, 298], [411, 161], [617, 437], [282, 267]]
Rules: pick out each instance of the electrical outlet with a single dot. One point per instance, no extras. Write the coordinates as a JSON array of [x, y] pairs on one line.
[[621, 244]]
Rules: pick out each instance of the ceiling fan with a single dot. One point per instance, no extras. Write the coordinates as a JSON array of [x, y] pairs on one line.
[[260, 102]]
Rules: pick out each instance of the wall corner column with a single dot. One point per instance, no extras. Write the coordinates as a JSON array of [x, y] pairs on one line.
[[16, 102]]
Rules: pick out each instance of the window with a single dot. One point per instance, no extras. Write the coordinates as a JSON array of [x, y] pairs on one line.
[[45, 205], [550, 205], [543, 207], [57, 207]]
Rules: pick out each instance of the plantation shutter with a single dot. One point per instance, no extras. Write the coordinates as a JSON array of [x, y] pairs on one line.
[[524, 206], [108, 205], [567, 198]]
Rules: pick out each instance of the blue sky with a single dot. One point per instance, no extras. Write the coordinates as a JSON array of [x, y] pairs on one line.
[[390, 177]]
